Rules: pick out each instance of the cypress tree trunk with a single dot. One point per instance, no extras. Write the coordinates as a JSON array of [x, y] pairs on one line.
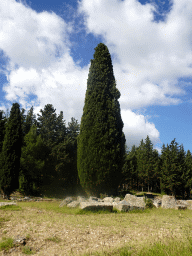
[[11, 153], [101, 142]]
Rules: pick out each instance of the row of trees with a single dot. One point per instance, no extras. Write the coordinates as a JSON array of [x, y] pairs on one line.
[[90, 157], [170, 173], [35, 153], [38, 152]]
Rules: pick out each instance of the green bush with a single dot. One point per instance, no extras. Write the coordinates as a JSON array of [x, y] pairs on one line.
[[149, 204]]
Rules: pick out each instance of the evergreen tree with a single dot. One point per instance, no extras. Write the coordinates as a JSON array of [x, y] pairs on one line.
[[188, 173], [46, 124], [181, 172], [101, 142], [53, 131], [148, 164], [141, 164], [66, 153], [29, 121], [170, 171], [32, 162], [11, 152], [156, 172], [130, 170], [2, 129], [2, 135]]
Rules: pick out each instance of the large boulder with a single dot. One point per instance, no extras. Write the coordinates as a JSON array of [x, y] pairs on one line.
[[189, 204], [135, 202], [108, 199], [73, 204], [168, 202], [122, 206], [66, 201], [157, 202]]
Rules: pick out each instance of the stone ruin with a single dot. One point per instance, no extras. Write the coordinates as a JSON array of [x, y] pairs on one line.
[[129, 203]]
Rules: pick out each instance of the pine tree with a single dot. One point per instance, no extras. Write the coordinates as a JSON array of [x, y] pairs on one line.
[[101, 142], [148, 164], [32, 163], [49, 127], [140, 153], [155, 177], [66, 153], [170, 171], [11, 152], [130, 171], [29, 121], [181, 172], [188, 173]]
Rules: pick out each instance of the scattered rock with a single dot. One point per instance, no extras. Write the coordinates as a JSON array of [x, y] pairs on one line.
[[20, 240]]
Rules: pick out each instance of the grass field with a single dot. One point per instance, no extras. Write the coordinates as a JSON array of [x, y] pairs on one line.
[[51, 230]]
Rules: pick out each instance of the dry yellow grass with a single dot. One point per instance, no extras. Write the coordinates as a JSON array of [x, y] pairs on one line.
[[61, 231]]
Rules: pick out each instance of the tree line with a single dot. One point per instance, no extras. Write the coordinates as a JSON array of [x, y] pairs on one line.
[[36, 152], [170, 173], [90, 157]]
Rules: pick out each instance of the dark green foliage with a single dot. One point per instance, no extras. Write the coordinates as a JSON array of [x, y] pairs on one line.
[[52, 131], [29, 121], [130, 170], [155, 174], [188, 173], [141, 164], [101, 142], [170, 171], [11, 152], [2, 129], [149, 204], [66, 154], [32, 162]]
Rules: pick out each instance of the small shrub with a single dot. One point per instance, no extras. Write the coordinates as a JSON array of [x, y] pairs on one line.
[[149, 204]]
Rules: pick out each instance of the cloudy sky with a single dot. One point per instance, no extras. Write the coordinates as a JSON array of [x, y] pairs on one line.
[[46, 47]]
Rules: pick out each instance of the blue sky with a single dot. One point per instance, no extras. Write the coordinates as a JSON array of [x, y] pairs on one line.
[[46, 47]]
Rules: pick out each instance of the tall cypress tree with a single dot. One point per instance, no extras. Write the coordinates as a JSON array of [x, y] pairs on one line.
[[101, 142], [2, 129], [11, 152]]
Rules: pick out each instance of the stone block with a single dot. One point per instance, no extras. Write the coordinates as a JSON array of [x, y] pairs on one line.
[[66, 201], [180, 207], [189, 204], [108, 199], [122, 206], [73, 204], [93, 206], [136, 202], [168, 202]]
